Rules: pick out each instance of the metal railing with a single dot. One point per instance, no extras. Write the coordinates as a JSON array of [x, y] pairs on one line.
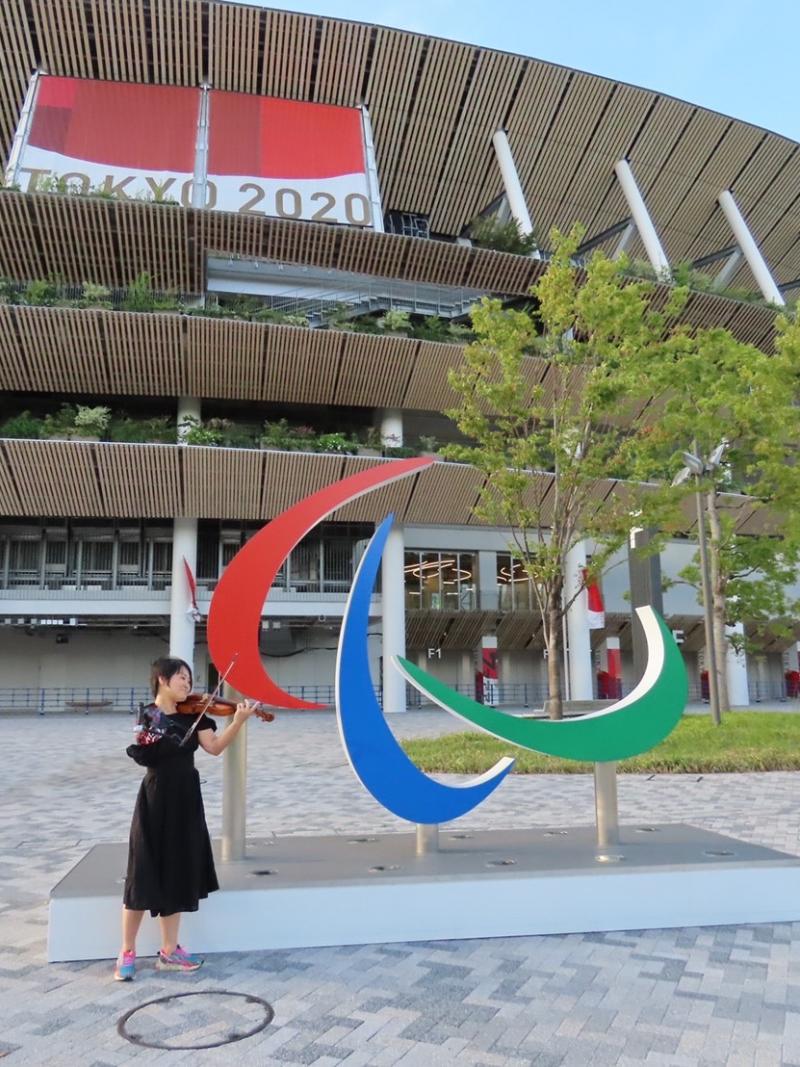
[[82, 699]]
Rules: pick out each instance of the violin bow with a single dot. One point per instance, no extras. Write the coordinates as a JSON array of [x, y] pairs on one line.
[[211, 697]]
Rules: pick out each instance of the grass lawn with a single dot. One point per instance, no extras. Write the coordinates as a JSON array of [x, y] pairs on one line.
[[746, 741]]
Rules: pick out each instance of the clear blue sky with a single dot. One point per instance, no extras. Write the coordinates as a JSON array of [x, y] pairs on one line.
[[739, 57]]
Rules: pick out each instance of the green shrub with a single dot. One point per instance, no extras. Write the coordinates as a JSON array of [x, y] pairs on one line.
[[92, 421], [157, 429], [9, 291], [95, 296], [60, 423], [279, 318], [336, 442], [394, 321], [502, 236], [22, 425], [193, 432], [40, 293]]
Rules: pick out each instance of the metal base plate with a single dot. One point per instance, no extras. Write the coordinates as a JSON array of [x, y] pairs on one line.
[[294, 892]]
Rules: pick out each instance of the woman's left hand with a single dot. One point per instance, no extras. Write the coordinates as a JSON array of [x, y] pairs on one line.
[[244, 711]]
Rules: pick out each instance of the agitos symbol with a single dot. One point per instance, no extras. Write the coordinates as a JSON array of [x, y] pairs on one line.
[[631, 725]]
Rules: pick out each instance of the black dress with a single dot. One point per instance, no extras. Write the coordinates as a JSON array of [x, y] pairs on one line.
[[170, 863]]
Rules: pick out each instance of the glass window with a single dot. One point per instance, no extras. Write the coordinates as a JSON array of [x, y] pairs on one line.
[[430, 581], [440, 581], [513, 585], [412, 573], [24, 555]]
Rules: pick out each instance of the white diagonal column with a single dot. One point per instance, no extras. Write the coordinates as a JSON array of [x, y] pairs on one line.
[[750, 250], [641, 216], [512, 184]]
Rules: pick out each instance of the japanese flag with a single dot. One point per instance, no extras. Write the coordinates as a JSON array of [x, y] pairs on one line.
[[595, 609]]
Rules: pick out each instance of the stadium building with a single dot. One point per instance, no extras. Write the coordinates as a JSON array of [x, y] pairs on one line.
[[217, 217]]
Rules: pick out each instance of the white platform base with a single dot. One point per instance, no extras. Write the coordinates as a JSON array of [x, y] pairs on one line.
[[348, 891]]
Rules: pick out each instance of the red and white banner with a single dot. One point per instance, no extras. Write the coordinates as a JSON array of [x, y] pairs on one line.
[[595, 609], [283, 158], [130, 141], [287, 158]]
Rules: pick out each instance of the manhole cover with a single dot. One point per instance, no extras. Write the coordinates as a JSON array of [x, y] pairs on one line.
[[263, 873], [556, 833], [461, 837], [388, 867], [719, 852], [647, 830], [361, 840], [195, 1020], [501, 863]]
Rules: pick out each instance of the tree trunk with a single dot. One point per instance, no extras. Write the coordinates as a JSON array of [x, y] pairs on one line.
[[553, 705], [718, 600]]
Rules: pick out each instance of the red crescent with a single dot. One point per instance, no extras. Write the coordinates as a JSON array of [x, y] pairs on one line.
[[234, 616]]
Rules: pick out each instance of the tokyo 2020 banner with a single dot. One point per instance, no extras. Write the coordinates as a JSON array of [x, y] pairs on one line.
[[253, 155]]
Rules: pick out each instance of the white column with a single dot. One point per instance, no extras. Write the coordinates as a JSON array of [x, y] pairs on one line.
[[188, 407], [578, 636], [394, 619], [641, 216], [184, 546], [750, 249], [512, 184], [392, 428], [181, 623], [736, 672]]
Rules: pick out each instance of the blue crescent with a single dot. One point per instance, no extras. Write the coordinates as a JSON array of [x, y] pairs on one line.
[[377, 759]]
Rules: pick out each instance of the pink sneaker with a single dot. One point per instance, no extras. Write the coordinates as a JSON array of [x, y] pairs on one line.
[[126, 967], [179, 960]]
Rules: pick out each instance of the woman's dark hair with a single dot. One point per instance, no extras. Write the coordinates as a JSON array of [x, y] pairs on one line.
[[165, 667]]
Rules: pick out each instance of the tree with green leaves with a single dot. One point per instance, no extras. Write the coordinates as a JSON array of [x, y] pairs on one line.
[[713, 396], [546, 399]]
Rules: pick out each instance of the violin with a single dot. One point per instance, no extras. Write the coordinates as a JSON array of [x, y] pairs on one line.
[[214, 705]]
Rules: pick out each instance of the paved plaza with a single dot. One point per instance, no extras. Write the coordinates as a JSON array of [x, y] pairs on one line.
[[677, 997]]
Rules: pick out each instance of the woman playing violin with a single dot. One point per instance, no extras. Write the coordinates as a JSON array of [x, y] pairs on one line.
[[170, 863]]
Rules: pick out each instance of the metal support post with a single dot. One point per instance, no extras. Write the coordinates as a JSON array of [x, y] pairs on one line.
[[628, 235], [641, 216], [605, 804], [200, 183], [394, 620], [427, 838], [234, 794], [731, 266], [750, 249]]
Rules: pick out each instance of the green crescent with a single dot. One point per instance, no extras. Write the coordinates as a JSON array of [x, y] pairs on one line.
[[632, 725]]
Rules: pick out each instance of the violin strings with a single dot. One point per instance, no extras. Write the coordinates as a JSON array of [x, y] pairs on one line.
[[209, 700]]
